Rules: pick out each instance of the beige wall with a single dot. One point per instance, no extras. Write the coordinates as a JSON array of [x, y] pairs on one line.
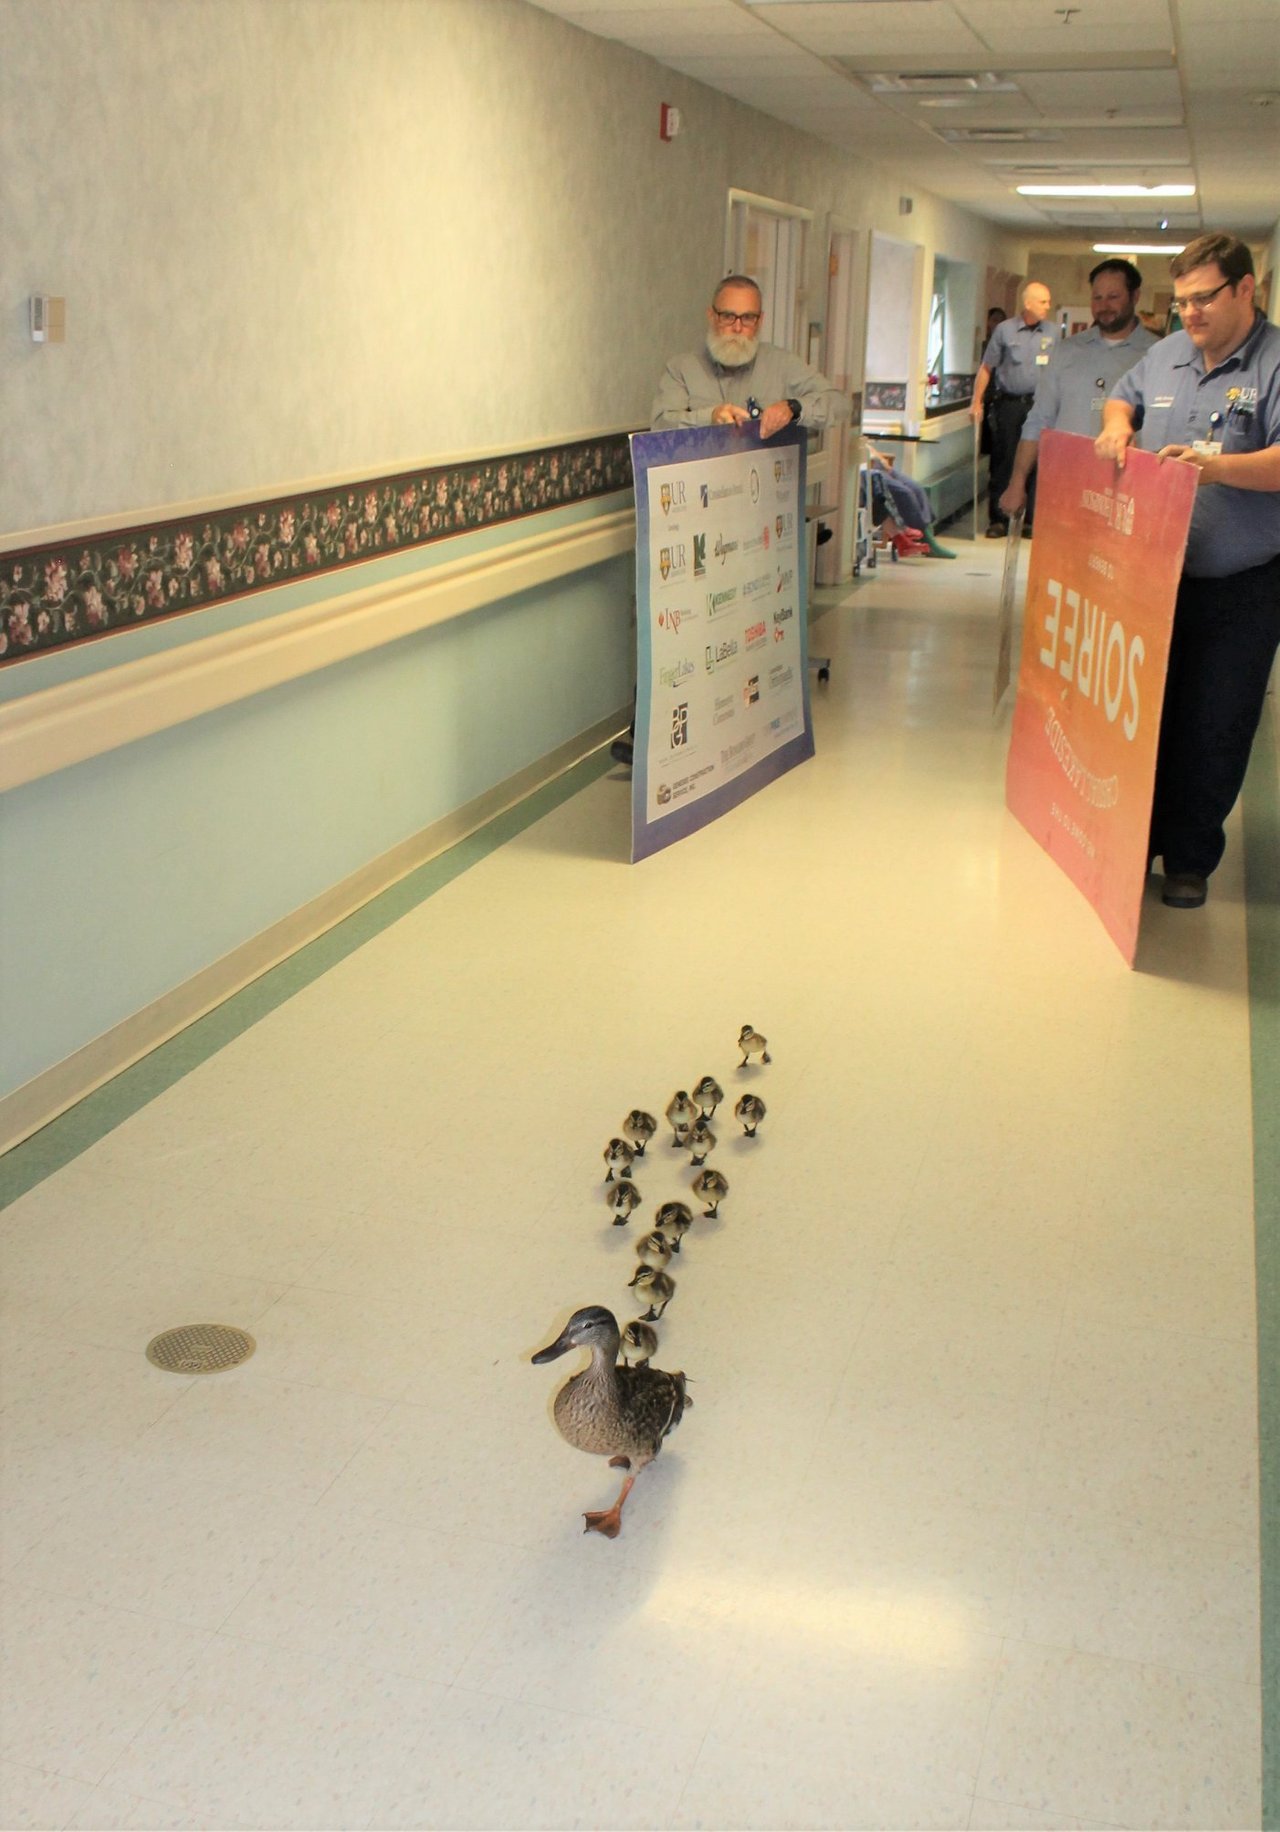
[[299, 238]]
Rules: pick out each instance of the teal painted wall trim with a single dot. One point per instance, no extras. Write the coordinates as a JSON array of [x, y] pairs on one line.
[[1262, 877], [123, 877], [101, 1112]]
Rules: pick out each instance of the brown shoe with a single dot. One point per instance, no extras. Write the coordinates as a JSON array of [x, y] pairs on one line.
[[1184, 890]]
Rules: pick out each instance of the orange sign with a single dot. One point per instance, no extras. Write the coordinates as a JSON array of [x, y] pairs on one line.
[[1100, 594]]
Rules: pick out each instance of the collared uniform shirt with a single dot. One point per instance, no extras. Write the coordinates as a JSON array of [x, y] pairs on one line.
[[1176, 403], [694, 385], [1082, 371], [1018, 354]]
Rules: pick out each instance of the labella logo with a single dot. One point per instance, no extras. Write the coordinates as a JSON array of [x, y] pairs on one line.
[[720, 653], [783, 613]]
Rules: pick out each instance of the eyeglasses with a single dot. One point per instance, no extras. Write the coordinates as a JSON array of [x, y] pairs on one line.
[[1196, 302], [748, 320]]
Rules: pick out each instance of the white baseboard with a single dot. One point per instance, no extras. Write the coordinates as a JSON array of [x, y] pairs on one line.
[[52, 1092]]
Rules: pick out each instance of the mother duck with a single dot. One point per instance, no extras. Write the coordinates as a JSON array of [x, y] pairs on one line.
[[616, 1412]]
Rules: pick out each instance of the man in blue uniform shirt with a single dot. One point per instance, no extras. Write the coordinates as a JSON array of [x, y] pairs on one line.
[[1072, 391], [1016, 356], [1209, 396]]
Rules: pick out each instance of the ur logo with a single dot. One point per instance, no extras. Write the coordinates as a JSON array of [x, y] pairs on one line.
[[777, 470], [679, 725], [699, 556], [664, 497], [664, 561]]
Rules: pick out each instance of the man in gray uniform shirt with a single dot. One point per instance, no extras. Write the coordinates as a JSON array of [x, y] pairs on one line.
[[1016, 356], [720, 384], [1209, 396], [1082, 371]]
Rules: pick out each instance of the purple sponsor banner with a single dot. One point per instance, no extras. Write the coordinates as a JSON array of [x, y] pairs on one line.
[[722, 682]]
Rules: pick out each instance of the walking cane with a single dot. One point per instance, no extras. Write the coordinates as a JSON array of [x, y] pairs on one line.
[[977, 439]]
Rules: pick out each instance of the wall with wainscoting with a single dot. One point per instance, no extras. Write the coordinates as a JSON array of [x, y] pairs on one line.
[[310, 249]]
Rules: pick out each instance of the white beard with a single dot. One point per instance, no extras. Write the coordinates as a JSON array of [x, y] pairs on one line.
[[730, 349]]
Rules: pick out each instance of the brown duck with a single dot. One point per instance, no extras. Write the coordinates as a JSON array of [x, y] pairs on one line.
[[616, 1412]]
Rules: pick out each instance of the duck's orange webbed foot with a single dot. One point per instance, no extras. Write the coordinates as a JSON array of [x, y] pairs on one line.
[[608, 1523]]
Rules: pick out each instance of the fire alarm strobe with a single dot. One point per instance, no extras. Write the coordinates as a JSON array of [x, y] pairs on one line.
[[668, 121]]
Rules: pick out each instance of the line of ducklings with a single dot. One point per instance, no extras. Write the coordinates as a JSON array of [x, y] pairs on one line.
[[689, 1113], [619, 1406]]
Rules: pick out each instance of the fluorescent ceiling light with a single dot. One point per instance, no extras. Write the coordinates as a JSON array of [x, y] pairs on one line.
[[1106, 190], [1138, 247]]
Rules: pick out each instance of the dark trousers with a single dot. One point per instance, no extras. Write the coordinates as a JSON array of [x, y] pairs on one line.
[[1007, 417], [1225, 635]]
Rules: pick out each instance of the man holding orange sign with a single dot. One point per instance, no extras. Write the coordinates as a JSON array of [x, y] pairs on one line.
[[1208, 397]]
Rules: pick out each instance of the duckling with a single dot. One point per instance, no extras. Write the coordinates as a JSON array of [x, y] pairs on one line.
[[618, 1156], [750, 1110], [622, 1199], [674, 1219], [700, 1141], [658, 1286], [638, 1128], [681, 1113], [654, 1249], [751, 1043], [708, 1095], [639, 1343], [710, 1186], [610, 1411]]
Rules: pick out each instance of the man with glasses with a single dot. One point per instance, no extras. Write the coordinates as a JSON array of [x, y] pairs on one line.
[[736, 378], [1209, 396], [1072, 391]]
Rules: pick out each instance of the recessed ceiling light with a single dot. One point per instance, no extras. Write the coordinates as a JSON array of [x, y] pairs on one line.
[[1138, 247], [1106, 190]]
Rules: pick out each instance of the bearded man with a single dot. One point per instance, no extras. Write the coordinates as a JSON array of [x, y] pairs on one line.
[[735, 378]]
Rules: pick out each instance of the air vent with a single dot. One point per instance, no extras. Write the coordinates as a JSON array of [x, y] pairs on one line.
[[942, 82], [997, 136]]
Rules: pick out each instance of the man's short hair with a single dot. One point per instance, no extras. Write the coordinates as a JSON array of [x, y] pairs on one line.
[[737, 280], [1227, 251], [1132, 278]]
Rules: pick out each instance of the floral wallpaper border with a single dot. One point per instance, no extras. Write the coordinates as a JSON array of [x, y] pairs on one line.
[[70, 592]]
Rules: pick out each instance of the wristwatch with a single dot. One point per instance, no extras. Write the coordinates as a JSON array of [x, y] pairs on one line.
[[794, 405]]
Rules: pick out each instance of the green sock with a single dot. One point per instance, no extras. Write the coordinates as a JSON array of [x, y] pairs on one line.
[[939, 553]]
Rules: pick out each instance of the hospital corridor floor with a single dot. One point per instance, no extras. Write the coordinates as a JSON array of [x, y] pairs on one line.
[[963, 1527]]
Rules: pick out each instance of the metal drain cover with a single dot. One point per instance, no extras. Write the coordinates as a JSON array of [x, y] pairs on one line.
[[200, 1348]]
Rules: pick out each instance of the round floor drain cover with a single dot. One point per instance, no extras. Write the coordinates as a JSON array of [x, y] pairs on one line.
[[200, 1348]]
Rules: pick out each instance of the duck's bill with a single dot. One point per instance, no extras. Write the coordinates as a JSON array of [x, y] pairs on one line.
[[553, 1350]]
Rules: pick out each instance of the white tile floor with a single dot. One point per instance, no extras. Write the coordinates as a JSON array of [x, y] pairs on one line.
[[961, 1531]]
